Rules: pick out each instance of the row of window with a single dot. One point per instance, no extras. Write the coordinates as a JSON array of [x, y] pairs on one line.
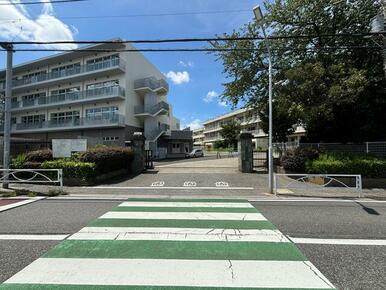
[[95, 113], [31, 97], [69, 68]]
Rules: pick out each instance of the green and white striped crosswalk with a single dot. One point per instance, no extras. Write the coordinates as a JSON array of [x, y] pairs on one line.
[[174, 244]]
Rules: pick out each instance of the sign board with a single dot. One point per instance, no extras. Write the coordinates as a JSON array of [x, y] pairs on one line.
[[62, 148]]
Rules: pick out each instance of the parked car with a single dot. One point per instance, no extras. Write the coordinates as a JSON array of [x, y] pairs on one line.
[[195, 153]]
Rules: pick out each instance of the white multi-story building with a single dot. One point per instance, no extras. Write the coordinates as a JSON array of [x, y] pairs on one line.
[[101, 96], [249, 122]]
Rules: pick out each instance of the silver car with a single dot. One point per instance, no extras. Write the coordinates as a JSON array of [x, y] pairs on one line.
[[195, 153]]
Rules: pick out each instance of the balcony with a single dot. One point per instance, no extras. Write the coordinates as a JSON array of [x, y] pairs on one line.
[[146, 85], [110, 93], [76, 74], [160, 108], [109, 121]]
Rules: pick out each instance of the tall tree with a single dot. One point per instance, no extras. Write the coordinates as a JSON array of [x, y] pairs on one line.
[[333, 85], [230, 133]]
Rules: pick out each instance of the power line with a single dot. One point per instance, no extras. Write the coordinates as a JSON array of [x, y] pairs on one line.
[[39, 2], [184, 40], [188, 49], [141, 15]]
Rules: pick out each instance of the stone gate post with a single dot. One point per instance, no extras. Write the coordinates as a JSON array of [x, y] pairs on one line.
[[245, 149]]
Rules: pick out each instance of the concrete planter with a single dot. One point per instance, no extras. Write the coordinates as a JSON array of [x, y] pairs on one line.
[[70, 181]]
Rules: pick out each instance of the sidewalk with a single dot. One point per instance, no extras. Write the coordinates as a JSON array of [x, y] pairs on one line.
[[174, 244]]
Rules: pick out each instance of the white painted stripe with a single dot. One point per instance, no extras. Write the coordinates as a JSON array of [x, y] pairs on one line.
[[186, 204], [34, 237], [164, 272], [20, 203], [355, 242], [178, 235], [185, 216], [170, 187], [193, 231]]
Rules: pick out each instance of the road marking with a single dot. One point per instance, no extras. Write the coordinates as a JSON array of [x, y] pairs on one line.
[[222, 184], [178, 273], [190, 184], [186, 204], [158, 184], [29, 237], [156, 247], [172, 235], [17, 204], [185, 216], [170, 187], [354, 242]]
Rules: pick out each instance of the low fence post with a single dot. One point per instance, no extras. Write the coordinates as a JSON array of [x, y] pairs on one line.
[[60, 175], [367, 147]]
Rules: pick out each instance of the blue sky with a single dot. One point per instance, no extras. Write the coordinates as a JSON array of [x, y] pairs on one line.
[[195, 78]]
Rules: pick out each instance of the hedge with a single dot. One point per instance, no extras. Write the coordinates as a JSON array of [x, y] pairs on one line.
[[107, 159], [329, 164], [72, 169], [295, 160], [39, 156]]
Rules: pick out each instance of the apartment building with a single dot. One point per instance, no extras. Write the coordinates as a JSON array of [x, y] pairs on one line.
[[249, 121], [101, 93]]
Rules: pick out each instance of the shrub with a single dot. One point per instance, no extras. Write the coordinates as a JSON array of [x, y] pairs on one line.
[[18, 162], [56, 192], [108, 159], [72, 169], [39, 156], [330, 164], [295, 160]]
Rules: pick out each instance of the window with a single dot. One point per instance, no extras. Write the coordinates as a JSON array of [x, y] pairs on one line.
[[33, 119], [66, 70], [112, 83], [63, 117], [37, 75], [110, 139], [102, 62], [63, 94], [101, 113], [33, 97]]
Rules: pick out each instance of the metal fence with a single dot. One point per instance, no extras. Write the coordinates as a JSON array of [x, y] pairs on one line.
[[314, 184], [374, 148], [37, 176]]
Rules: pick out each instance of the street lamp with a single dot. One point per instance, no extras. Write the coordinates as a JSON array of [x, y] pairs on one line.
[[259, 17]]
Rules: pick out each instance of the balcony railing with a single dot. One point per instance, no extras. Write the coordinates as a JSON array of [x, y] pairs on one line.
[[71, 97], [70, 72], [151, 83], [153, 109], [104, 120], [154, 134]]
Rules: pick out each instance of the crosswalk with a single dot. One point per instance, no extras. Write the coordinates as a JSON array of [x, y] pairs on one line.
[[174, 244]]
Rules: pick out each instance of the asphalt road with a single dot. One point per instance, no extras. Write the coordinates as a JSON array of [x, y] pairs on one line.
[[348, 267]]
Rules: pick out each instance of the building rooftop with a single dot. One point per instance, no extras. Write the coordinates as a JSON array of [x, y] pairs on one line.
[[226, 115]]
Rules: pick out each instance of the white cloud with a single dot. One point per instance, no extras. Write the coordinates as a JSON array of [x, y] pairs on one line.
[[210, 96], [222, 103], [178, 78], [195, 124], [45, 27], [186, 64]]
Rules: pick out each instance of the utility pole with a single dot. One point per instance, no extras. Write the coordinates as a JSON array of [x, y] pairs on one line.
[[7, 111]]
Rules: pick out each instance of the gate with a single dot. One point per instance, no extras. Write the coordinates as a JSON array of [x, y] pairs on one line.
[[149, 159], [260, 161]]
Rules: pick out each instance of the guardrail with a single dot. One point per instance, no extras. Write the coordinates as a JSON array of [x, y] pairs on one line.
[[285, 183], [40, 176]]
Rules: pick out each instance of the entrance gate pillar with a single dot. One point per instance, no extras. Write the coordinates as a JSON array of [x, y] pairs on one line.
[[138, 146], [245, 150]]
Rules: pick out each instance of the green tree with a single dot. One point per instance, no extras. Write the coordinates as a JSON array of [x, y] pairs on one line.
[[330, 84], [230, 133]]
